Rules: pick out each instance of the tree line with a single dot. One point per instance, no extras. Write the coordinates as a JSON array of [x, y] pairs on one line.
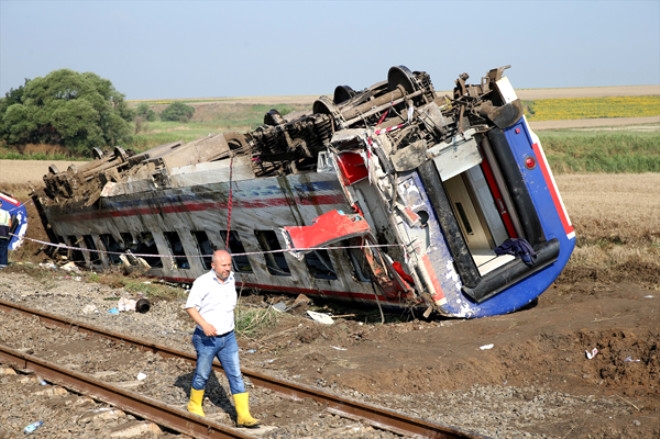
[[80, 111]]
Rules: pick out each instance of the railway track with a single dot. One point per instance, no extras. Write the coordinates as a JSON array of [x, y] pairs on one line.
[[34, 356]]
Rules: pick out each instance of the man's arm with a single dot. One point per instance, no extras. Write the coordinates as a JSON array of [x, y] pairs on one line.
[[209, 330]]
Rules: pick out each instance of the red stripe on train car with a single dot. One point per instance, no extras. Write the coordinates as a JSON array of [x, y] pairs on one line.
[[438, 295], [552, 187], [10, 200], [497, 196], [196, 207]]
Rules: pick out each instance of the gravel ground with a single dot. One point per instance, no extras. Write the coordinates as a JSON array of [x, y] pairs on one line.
[[497, 411]]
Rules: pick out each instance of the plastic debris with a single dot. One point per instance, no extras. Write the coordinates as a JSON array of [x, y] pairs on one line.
[[338, 348], [49, 265], [113, 311], [630, 359], [279, 306], [486, 347], [126, 304], [320, 318], [90, 309], [32, 427], [591, 354], [70, 266], [141, 376]]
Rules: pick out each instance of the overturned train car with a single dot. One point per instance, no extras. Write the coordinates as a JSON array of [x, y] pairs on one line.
[[392, 195]]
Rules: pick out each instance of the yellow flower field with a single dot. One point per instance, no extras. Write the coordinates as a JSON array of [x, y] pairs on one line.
[[592, 108]]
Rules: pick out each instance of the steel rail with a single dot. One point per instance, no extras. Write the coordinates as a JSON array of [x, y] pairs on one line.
[[162, 414], [376, 416]]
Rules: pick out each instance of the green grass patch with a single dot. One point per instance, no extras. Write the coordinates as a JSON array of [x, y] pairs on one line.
[[616, 152], [159, 133], [225, 117], [250, 321], [246, 117], [151, 289], [8, 154]]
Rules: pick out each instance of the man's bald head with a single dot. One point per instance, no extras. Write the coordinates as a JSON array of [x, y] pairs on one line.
[[221, 263]]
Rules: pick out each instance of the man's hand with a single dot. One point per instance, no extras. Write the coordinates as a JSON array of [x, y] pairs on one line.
[[209, 329]]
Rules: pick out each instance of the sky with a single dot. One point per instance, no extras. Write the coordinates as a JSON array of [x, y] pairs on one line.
[[155, 49]]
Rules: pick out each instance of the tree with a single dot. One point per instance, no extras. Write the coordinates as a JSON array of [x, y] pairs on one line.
[[177, 112], [145, 112], [78, 110]]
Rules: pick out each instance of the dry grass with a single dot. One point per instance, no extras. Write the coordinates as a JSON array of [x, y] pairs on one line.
[[44, 149], [15, 174], [617, 223], [616, 208]]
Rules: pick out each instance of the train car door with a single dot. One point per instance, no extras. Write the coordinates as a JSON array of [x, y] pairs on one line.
[[477, 216]]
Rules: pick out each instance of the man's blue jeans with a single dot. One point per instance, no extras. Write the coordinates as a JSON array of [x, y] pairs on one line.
[[4, 245], [225, 349]]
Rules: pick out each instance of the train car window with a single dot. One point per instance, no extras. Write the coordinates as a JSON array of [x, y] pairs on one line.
[[205, 247], [94, 256], [239, 259], [74, 253], [112, 247], [464, 219], [319, 265], [61, 240], [178, 252], [358, 261], [127, 238], [275, 261], [145, 246]]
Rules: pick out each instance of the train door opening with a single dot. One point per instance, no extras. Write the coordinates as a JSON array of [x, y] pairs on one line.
[[478, 218]]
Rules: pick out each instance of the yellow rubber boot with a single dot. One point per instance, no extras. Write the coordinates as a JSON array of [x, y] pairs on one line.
[[243, 416], [195, 404]]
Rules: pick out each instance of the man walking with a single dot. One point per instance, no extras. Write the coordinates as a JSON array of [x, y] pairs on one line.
[[5, 227], [211, 304]]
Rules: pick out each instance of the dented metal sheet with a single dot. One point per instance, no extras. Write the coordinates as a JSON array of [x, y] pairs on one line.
[[455, 156], [327, 229]]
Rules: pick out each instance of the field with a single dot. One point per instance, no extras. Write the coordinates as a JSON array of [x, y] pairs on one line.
[[607, 298], [553, 108]]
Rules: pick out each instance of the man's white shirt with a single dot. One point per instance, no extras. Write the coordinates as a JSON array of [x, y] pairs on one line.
[[215, 300]]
